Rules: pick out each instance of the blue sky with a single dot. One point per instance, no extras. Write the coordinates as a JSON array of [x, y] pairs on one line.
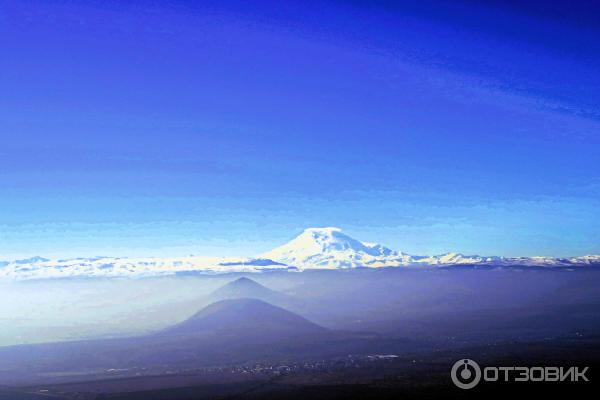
[[226, 128]]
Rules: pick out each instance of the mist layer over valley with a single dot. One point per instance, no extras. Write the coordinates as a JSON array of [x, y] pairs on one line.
[[383, 300], [121, 337]]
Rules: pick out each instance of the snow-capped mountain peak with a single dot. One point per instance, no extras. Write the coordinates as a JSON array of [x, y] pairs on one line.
[[329, 240], [330, 248]]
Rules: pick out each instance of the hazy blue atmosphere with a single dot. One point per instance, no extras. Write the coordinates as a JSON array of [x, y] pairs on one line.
[[175, 128]]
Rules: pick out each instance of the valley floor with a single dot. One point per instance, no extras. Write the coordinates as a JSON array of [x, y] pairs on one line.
[[420, 375]]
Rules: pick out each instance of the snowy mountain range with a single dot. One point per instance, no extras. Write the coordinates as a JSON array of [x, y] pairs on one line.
[[330, 248], [315, 248]]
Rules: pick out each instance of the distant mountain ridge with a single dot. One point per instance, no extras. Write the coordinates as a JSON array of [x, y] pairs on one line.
[[315, 248]]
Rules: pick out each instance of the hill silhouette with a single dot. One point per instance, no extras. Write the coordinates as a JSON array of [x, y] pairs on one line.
[[228, 331], [246, 318], [245, 288]]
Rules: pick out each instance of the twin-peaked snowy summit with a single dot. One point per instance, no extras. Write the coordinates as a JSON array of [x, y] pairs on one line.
[[331, 248], [314, 248]]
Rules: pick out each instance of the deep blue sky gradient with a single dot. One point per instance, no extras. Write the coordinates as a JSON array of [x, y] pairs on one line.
[[173, 127]]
